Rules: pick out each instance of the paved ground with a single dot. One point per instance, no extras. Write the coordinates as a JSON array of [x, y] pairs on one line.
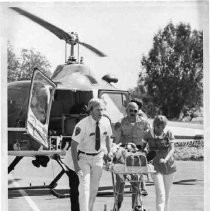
[[187, 192]]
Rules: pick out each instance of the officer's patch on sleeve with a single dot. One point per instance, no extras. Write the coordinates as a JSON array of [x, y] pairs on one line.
[[117, 125], [77, 131]]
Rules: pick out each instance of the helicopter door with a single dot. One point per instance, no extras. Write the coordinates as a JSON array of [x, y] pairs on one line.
[[40, 100], [116, 102]]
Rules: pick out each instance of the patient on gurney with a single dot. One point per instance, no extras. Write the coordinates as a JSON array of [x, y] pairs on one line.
[[128, 159]]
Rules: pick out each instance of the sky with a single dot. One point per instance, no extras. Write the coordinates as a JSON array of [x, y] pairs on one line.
[[122, 30]]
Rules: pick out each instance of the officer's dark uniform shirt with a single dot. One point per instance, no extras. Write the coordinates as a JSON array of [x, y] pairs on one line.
[[126, 132]]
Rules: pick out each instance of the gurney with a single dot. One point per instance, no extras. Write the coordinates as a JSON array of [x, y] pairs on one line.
[[132, 170]]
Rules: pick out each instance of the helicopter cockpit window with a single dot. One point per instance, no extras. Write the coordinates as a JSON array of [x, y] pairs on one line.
[[116, 103], [41, 92], [68, 107], [39, 102], [17, 104]]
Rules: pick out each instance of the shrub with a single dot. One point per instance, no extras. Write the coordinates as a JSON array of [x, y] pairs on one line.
[[189, 150]]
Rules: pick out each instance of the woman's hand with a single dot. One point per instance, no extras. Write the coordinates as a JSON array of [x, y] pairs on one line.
[[162, 160], [107, 158]]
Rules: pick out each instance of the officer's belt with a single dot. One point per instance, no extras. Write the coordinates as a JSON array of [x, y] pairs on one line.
[[93, 154]]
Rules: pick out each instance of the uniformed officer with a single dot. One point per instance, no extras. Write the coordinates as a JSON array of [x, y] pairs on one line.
[[139, 102], [90, 141], [130, 129]]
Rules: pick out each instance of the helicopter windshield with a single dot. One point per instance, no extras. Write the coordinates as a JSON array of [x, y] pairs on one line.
[[40, 101], [39, 106], [116, 103]]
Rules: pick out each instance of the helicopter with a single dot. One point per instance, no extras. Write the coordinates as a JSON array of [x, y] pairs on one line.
[[43, 112]]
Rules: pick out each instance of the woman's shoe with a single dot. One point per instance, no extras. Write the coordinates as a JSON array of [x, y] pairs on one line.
[[144, 192]]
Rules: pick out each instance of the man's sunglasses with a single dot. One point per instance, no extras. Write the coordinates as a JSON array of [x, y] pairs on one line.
[[131, 110]]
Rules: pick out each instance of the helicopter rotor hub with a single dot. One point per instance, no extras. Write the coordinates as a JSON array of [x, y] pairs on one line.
[[74, 38]]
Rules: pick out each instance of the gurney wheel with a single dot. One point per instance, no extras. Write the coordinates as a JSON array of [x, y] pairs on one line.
[[139, 208]]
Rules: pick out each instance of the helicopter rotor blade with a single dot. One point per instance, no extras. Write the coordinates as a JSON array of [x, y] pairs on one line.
[[55, 30], [90, 47]]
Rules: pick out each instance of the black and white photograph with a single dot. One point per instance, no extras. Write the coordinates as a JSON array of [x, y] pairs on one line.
[[105, 105]]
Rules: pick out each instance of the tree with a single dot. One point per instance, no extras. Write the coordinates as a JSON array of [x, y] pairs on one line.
[[22, 68], [174, 70]]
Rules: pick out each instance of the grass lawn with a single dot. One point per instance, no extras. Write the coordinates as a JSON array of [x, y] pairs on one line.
[[193, 124]]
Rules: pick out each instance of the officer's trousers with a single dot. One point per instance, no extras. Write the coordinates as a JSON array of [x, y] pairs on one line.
[[74, 192], [88, 187]]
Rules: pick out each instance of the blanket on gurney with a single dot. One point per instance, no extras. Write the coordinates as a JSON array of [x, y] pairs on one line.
[[127, 159]]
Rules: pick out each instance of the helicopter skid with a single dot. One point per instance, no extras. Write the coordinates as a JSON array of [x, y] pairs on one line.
[[36, 153], [52, 184]]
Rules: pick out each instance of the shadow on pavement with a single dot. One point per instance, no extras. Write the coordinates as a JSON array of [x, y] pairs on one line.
[[187, 182], [37, 192]]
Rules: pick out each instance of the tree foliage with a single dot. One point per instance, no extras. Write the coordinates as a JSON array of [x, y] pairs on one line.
[[21, 68], [174, 70]]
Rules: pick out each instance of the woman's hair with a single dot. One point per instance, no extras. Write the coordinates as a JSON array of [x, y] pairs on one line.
[[160, 120], [95, 102]]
